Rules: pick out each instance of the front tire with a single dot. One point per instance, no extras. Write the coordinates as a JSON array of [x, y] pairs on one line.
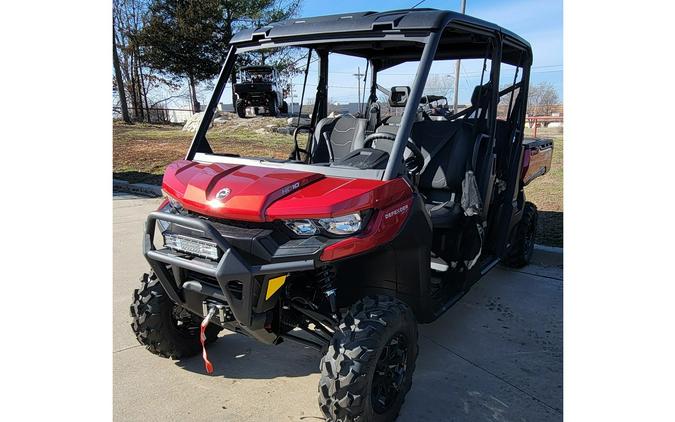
[[368, 368], [164, 328], [522, 244]]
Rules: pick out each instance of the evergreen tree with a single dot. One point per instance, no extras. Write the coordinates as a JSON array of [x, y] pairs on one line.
[[184, 38]]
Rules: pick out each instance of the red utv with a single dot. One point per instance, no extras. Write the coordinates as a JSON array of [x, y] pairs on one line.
[[371, 226]]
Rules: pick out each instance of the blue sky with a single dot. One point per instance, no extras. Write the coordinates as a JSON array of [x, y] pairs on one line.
[[538, 21]]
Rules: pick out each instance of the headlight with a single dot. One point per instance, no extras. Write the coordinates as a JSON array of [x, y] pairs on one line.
[[346, 224], [171, 207], [191, 245], [176, 207], [339, 226], [302, 227]]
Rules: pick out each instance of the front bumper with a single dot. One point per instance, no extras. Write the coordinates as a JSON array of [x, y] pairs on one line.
[[238, 286]]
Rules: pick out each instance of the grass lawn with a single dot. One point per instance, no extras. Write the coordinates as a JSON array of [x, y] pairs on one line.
[[142, 151], [546, 192]]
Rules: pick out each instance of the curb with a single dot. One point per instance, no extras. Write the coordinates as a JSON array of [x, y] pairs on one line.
[[550, 249], [145, 189]]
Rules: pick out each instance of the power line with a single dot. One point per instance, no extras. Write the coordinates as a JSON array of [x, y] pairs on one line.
[[418, 4], [533, 69]]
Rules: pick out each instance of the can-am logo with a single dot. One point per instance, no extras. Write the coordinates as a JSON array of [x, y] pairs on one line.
[[223, 193], [288, 189], [397, 211]]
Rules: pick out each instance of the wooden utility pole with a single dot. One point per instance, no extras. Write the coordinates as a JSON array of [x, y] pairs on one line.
[[359, 75]]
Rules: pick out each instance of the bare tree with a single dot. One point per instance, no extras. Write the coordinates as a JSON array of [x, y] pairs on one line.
[[128, 16], [120, 84], [438, 84], [541, 99]]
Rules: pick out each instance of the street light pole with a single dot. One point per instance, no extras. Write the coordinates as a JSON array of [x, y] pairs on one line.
[[457, 64]]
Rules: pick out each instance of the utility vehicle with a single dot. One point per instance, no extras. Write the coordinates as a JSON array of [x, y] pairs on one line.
[[259, 87], [435, 105], [371, 225]]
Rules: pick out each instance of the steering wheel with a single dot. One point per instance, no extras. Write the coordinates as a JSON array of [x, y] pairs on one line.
[[413, 164]]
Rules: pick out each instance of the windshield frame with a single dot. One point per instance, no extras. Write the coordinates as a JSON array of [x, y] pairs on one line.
[[201, 150]]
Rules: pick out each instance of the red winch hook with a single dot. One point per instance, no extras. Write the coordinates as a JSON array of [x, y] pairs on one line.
[[202, 338]]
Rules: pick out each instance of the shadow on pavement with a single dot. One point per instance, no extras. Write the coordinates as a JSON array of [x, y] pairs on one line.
[[239, 357], [138, 177]]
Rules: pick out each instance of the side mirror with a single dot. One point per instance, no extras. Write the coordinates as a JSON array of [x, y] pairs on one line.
[[398, 96]]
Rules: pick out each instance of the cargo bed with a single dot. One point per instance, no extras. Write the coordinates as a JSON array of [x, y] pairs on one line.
[[537, 158]]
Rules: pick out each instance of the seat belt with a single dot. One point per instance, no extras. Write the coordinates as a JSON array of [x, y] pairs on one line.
[[436, 149]]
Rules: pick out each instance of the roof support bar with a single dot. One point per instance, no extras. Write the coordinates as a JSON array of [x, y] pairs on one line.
[[321, 100], [199, 142], [394, 165]]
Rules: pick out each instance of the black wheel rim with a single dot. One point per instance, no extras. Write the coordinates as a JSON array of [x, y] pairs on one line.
[[390, 373]]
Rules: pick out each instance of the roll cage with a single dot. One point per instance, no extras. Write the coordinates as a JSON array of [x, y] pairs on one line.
[[385, 40], [257, 74]]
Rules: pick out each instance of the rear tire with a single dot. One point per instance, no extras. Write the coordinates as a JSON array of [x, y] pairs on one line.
[[274, 107], [164, 328], [368, 368], [522, 244], [241, 109]]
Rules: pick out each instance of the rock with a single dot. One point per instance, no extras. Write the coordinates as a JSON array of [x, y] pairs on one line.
[[192, 124], [284, 130], [219, 117]]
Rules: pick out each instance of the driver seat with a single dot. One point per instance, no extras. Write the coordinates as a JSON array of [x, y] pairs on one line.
[[335, 137]]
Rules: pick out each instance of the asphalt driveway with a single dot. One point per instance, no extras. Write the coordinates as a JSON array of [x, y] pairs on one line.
[[496, 355]]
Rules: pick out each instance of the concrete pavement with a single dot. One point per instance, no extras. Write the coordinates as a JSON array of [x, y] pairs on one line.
[[496, 355]]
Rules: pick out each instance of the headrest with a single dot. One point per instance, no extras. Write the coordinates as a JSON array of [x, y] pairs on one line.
[[344, 122], [484, 92], [373, 116], [398, 96]]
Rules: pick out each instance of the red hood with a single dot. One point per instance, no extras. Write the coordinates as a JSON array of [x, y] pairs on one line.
[[267, 194]]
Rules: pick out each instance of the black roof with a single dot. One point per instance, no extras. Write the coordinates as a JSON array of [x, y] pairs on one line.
[[409, 21]]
